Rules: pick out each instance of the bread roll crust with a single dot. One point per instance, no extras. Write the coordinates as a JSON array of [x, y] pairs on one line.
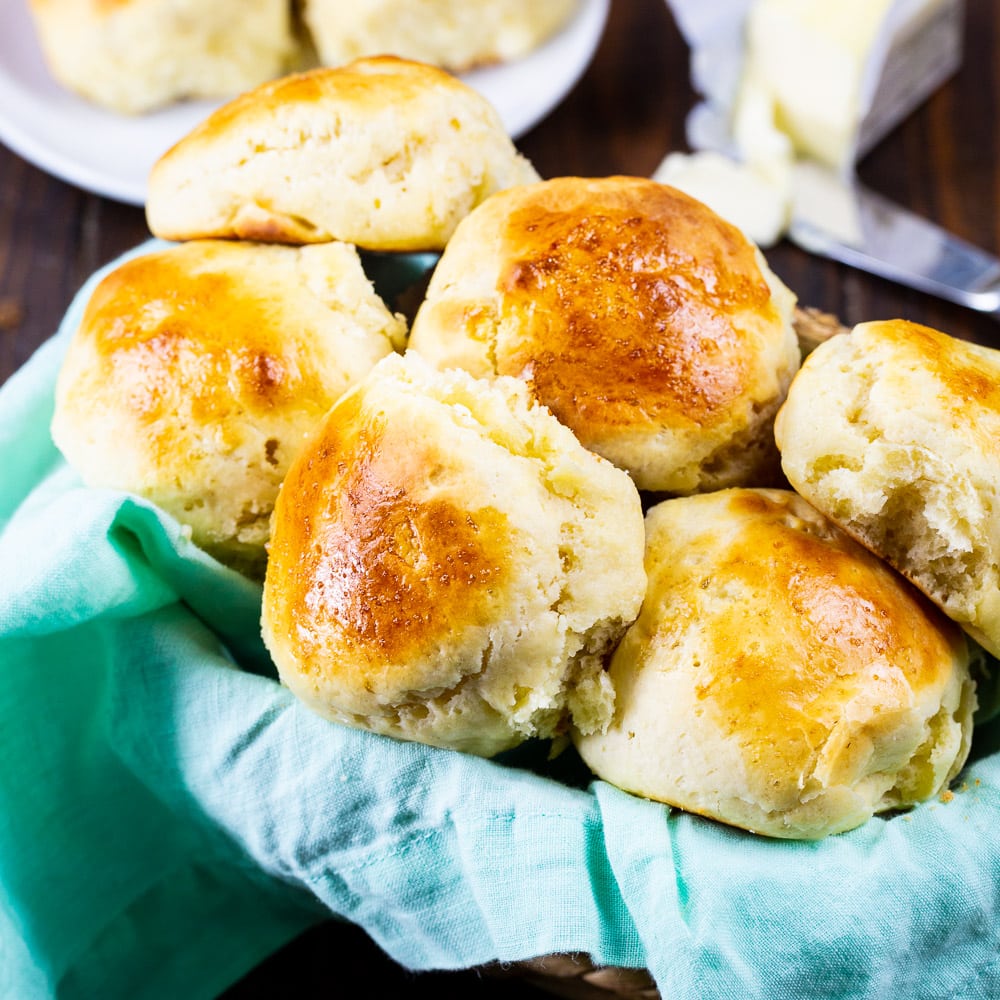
[[645, 322], [385, 153], [454, 34], [449, 565], [781, 678], [198, 370], [379, 567], [134, 56], [893, 431]]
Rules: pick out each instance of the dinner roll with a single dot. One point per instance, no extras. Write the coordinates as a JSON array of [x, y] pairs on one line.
[[455, 34], [893, 431], [197, 371], [780, 677], [384, 153], [448, 565], [645, 322], [134, 56]]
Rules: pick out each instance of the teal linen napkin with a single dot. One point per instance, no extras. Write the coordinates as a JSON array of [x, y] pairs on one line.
[[169, 814]]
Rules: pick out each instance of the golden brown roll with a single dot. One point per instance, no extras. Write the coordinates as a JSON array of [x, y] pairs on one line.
[[780, 677], [454, 34], [197, 371], [449, 565], [135, 56], [385, 153], [645, 322], [893, 431]]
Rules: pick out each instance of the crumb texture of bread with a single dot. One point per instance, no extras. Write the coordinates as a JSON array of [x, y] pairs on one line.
[[780, 678], [648, 325], [198, 371], [448, 565], [455, 34], [893, 431], [135, 56], [385, 153]]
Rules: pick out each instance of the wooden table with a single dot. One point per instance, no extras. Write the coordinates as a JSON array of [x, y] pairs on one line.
[[626, 113]]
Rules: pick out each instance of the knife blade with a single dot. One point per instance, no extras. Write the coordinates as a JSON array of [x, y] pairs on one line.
[[845, 221]]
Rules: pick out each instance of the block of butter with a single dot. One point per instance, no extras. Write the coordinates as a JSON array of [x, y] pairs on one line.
[[787, 81], [833, 77], [838, 76]]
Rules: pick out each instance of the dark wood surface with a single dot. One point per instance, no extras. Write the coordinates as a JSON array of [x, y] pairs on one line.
[[625, 115]]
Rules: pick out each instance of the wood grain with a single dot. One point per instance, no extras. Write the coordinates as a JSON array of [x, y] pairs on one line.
[[624, 116]]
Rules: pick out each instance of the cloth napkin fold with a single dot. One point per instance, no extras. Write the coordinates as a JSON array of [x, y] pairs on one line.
[[170, 814]]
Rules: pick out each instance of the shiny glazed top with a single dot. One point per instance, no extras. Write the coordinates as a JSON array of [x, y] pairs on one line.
[[628, 297]]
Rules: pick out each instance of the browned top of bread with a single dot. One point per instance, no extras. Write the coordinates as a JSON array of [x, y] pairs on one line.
[[150, 318], [379, 570], [355, 84], [644, 255], [965, 370], [197, 369], [643, 320], [842, 611], [780, 677]]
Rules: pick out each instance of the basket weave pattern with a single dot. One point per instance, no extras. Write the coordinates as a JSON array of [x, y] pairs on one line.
[[577, 977]]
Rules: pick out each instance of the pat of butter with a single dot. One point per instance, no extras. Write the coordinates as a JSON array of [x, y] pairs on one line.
[[823, 198], [750, 200]]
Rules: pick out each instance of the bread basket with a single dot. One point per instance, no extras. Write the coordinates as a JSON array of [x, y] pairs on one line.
[[258, 820]]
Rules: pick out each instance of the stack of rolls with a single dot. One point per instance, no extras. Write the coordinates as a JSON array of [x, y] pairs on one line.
[[456, 35], [138, 56], [780, 677], [208, 362], [593, 495]]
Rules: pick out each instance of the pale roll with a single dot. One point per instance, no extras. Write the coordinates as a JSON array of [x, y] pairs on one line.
[[135, 56], [385, 153], [454, 34], [893, 431]]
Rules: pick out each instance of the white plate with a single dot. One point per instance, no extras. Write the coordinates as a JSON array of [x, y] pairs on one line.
[[111, 154]]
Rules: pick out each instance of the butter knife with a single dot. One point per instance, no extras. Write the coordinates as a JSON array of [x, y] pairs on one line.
[[847, 222]]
